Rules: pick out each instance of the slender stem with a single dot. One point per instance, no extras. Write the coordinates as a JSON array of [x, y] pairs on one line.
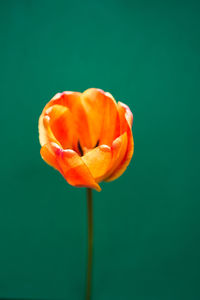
[[90, 243]]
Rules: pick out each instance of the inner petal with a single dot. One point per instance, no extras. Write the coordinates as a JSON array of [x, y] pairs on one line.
[[101, 124], [98, 161], [63, 126], [119, 148]]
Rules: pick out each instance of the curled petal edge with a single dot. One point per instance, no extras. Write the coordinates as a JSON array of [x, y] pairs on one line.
[[98, 161], [70, 165], [126, 119]]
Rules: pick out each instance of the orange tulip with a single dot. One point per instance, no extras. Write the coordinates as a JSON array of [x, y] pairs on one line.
[[86, 136]]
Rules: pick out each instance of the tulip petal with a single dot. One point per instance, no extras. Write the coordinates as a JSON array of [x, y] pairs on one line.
[[101, 112], [98, 161], [119, 148], [45, 133], [75, 170], [126, 119], [73, 101], [48, 153], [66, 99], [63, 126], [70, 165], [43, 137], [125, 116]]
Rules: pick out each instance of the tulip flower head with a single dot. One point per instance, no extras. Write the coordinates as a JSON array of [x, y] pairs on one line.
[[86, 136]]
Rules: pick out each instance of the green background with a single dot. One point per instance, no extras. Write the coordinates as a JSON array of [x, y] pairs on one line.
[[147, 223]]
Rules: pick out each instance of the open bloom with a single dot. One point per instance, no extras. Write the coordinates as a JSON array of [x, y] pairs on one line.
[[86, 136]]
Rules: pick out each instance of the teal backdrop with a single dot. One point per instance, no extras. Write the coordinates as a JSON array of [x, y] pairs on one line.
[[146, 223]]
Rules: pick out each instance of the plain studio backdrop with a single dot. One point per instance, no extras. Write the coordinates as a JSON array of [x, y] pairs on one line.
[[146, 223]]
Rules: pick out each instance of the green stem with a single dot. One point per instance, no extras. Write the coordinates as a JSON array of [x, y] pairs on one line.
[[90, 243]]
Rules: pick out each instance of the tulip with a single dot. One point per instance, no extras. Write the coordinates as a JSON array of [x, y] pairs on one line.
[[86, 136]]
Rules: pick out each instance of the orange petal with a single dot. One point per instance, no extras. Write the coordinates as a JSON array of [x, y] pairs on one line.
[[70, 165], [67, 99], [43, 137], [45, 133], [75, 171], [63, 126], [101, 112], [126, 119], [48, 153], [110, 126], [125, 116], [74, 102], [98, 161], [119, 148], [122, 168]]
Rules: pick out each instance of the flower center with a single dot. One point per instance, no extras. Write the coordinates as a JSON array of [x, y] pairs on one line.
[[80, 148], [84, 150]]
